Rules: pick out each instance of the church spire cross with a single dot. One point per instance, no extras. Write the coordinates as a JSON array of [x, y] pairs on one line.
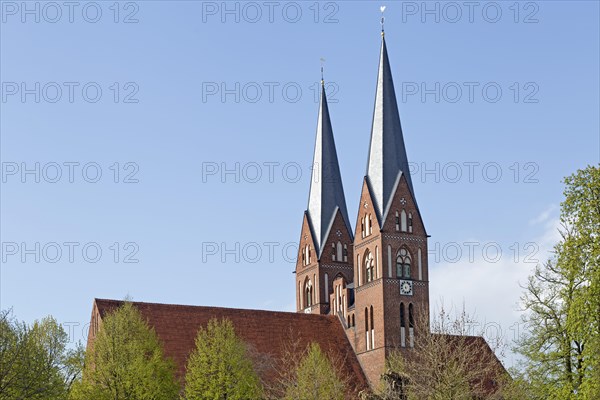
[[322, 64]]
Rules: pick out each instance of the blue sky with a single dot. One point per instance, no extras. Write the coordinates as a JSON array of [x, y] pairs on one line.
[[200, 118]]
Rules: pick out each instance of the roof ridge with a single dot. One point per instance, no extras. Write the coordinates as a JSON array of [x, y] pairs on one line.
[[209, 307]]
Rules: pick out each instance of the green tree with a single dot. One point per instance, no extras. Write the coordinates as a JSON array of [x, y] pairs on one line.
[[126, 362], [550, 349], [579, 254], [34, 360], [562, 298], [220, 367], [315, 378]]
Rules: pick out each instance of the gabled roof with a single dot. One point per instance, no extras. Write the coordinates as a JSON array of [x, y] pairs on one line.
[[326, 194], [267, 333], [387, 154], [482, 353]]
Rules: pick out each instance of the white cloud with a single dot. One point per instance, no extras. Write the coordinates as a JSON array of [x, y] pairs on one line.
[[491, 290], [544, 215]]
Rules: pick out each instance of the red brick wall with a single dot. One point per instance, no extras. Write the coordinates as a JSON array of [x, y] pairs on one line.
[[326, 265], [373, 365], [383, 293]]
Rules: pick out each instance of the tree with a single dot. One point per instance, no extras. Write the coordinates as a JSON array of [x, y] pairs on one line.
[[579, 254], [446, 363], [562, 298], [126, 361], [34, 360], [551, 350], [314, 377], [220, 366]]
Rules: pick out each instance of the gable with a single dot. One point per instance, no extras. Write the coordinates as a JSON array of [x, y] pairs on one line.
[[367, 205], [402, 198], [338, 232], [306, 239]]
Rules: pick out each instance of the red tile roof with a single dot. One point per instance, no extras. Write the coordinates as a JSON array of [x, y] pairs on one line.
[[268, 332]]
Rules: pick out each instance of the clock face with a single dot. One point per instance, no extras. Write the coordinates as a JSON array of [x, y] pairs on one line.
[[406, 288]]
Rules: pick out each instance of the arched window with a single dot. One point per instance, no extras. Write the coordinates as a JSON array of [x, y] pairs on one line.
[[372, 329], [389, 261], [326, 287], [306, 255], [367, 332], [403, 221], [419, 264], [315, 292], [369, 329], [369, 267], [340, 252], [361, 278], [377, 273], [397, 221], [345, 253], [402, 320], [402, 326], [332, 252], [411, 326], [410, 222], [362, 226], [370, 224], [403, 264], [308, 294]]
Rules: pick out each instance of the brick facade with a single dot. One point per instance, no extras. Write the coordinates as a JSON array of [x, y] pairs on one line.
[[320, 274], [374, 285]]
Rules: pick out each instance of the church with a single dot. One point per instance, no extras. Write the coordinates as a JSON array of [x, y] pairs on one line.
[[359, 288]]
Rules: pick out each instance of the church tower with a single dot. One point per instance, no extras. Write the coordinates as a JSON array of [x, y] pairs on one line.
[[390, 247], [324, 266]]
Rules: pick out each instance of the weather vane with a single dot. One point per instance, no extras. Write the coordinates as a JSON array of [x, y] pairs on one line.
[[382, 9], [322, 63]]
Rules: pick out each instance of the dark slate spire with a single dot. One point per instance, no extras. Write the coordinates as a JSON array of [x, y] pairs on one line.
[[387, 155], [326, 190]]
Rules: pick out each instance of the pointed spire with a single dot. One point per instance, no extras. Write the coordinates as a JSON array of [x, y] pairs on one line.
[[326, 189], [387, 154]]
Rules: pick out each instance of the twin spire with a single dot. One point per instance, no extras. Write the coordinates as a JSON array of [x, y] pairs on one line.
[[386, 164], [387, 154], [326, 190]]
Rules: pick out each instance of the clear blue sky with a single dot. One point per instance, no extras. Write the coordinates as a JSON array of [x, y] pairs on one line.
[[170, 127]]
